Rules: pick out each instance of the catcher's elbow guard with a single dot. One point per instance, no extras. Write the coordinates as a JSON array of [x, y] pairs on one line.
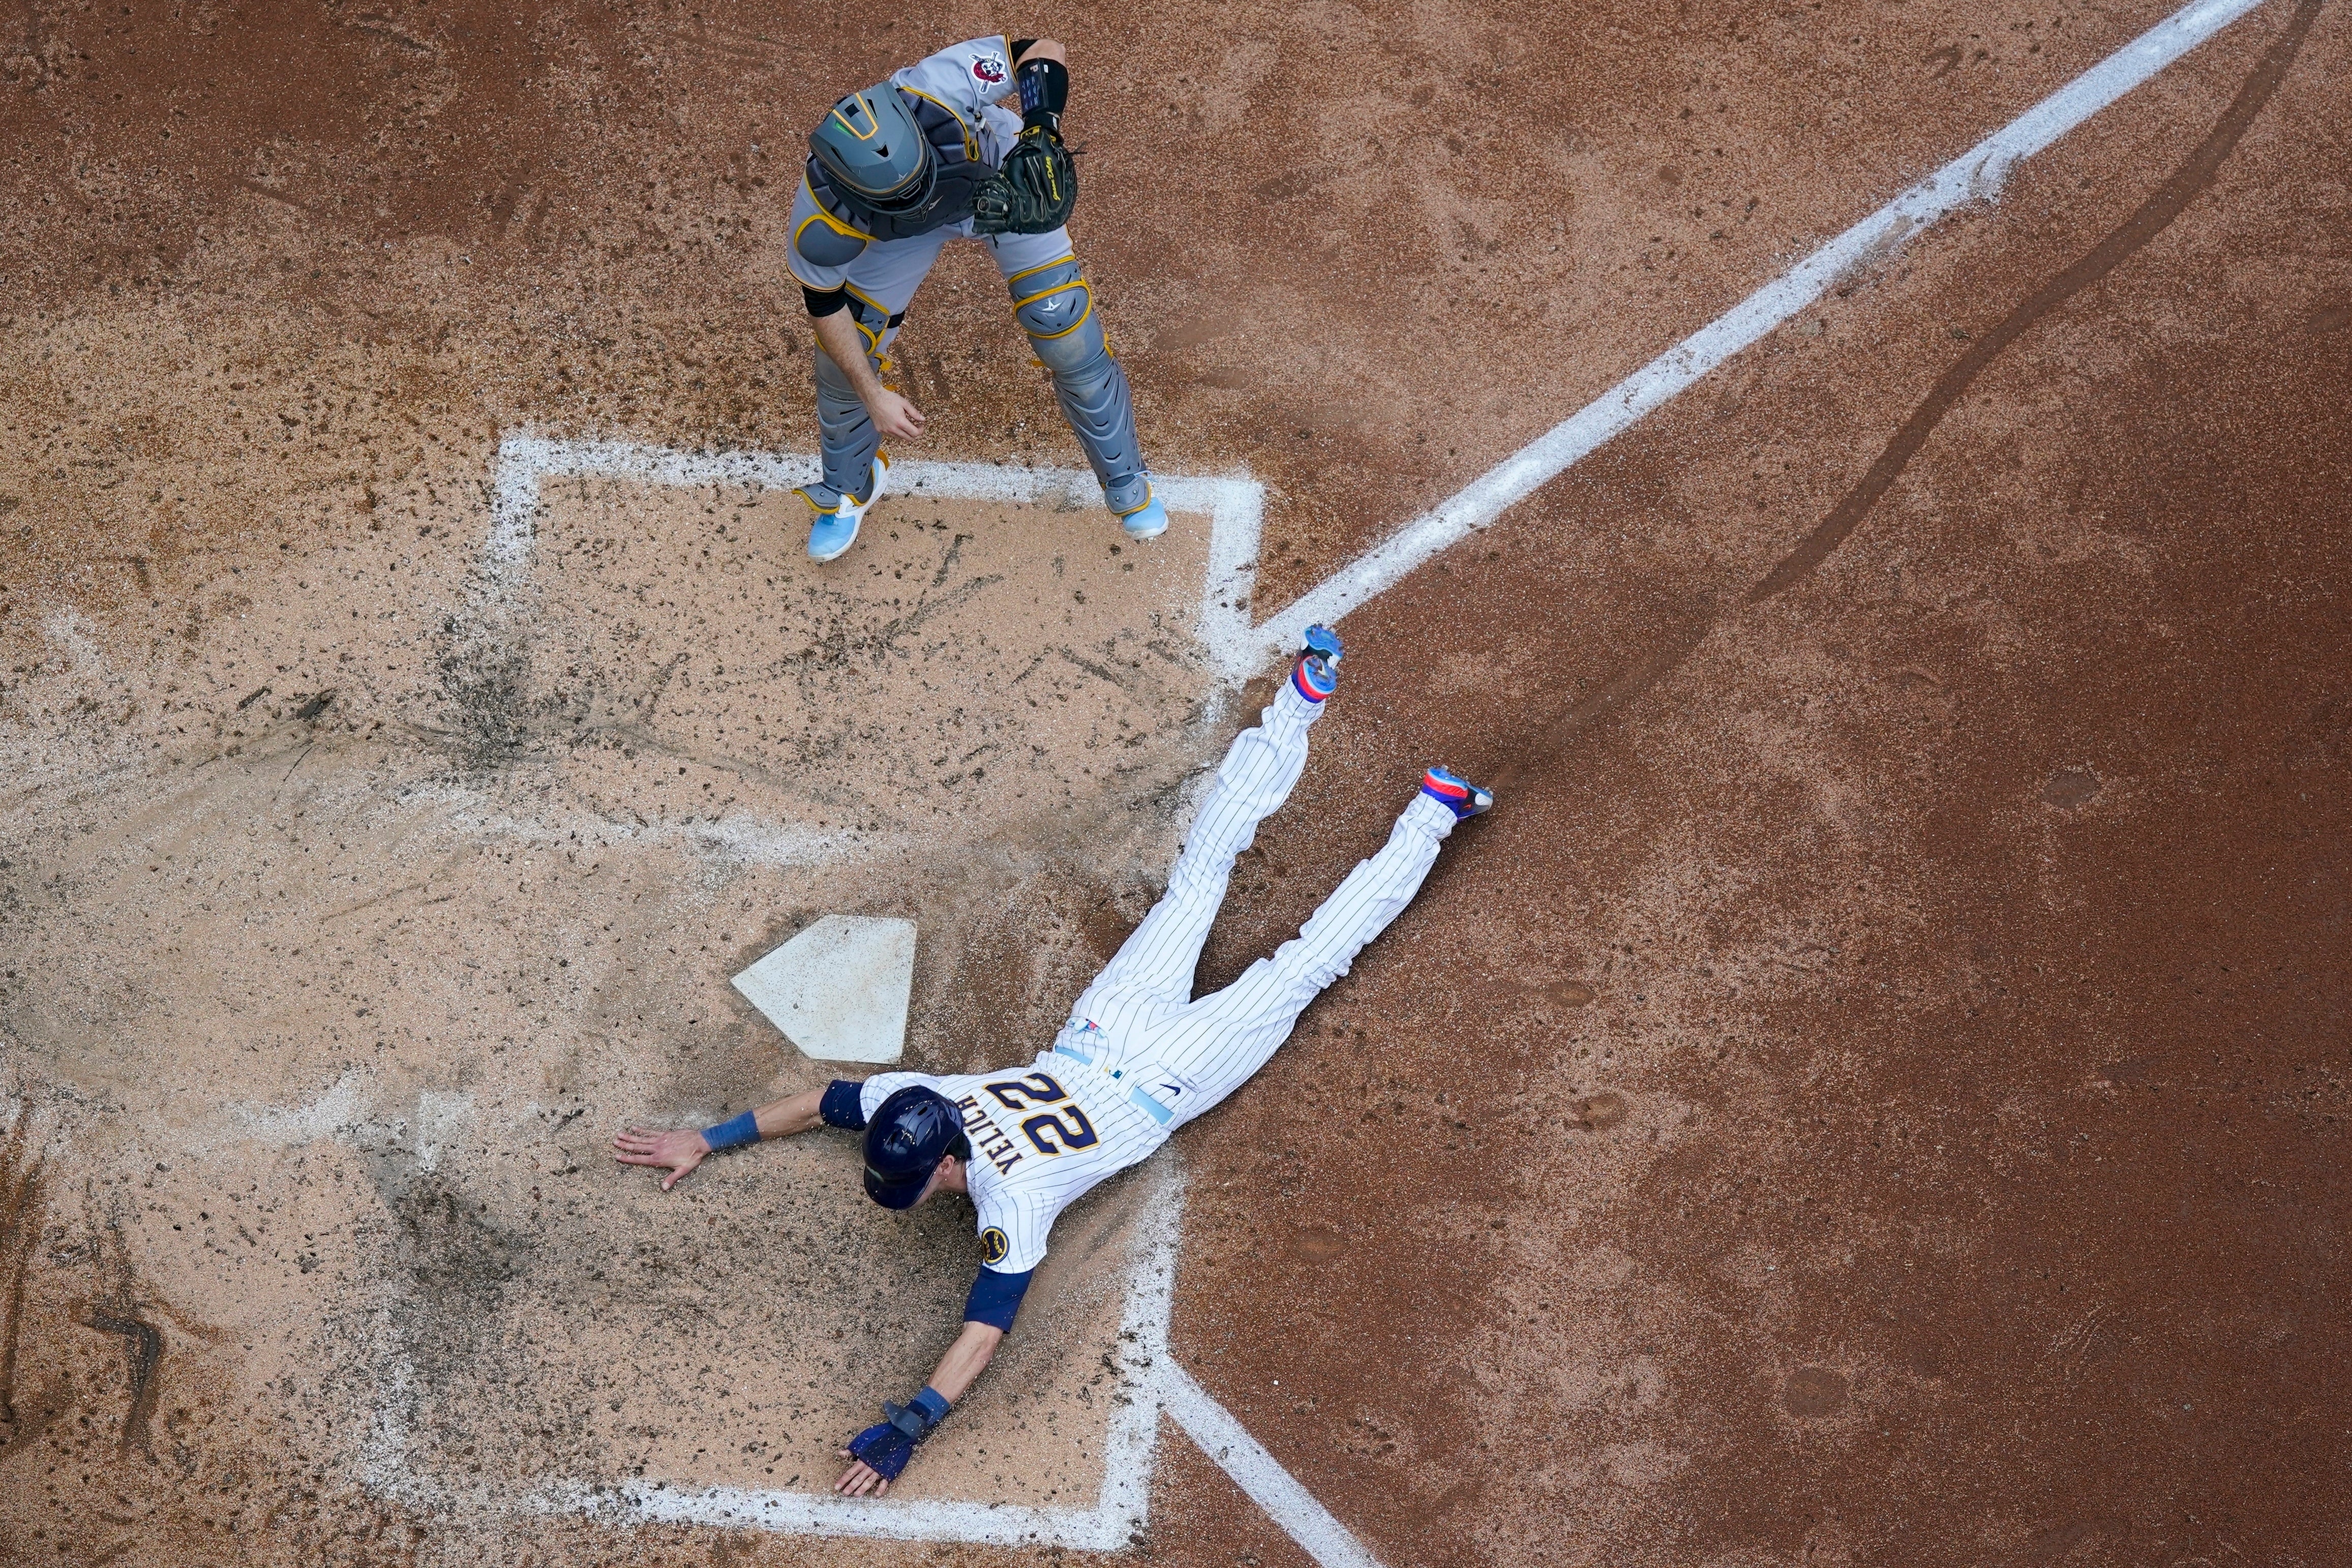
[[1044, 93]]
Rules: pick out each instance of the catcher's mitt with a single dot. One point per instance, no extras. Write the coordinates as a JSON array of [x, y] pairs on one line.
[[1033, 192]]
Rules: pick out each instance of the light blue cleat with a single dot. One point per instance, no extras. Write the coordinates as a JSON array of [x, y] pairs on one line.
[[1148, 520], [833, 531]]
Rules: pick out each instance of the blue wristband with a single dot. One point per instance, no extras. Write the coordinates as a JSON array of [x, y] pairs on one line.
[[916, 1418], [744, 1128]]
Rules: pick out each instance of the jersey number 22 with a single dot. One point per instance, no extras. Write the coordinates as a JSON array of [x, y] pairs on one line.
[[1056, 1132]]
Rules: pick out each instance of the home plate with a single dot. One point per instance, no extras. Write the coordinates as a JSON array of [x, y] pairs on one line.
[[838, 990]]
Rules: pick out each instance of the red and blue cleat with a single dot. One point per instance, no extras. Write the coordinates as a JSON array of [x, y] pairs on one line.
[[1316, 674], [1457, 793]]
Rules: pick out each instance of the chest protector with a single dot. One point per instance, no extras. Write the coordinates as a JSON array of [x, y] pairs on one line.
[[957, 175]]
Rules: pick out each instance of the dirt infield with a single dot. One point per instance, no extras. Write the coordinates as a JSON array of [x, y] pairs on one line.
[[411, 944], [1875, 1091]]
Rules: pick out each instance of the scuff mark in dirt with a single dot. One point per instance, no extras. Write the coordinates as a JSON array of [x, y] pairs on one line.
[[840, 643], [2153, 217], [143, 1342], [20, 1212], [487, 688], [457, 1261], [451, 1249], [1621, 690], [115, 1308]]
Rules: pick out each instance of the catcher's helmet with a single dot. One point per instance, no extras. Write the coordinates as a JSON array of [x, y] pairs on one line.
[[908, 1135], [870, 146]]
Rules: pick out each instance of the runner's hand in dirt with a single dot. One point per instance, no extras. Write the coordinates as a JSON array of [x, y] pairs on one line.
[[681, 1149], [859, 1479], [890, 1449], [897, 419], [678, 1151]]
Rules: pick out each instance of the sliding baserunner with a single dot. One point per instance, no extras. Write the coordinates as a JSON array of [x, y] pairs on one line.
[[1139, 1058]]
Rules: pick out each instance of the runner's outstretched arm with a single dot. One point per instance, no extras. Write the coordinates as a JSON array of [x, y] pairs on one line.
[[963, 1362], [681, 1149]]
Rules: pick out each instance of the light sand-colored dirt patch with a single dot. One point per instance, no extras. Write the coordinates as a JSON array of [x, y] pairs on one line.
[[366, 908], [967, 663]]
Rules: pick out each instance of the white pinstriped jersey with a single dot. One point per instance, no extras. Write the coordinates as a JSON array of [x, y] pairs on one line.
[[1041, 1136]]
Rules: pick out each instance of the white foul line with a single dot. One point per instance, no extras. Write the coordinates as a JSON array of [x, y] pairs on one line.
[[1976, 175], [1258, 1473]]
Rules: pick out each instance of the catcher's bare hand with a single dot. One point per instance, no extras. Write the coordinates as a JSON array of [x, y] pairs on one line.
[[897, 419], [677, 1150]]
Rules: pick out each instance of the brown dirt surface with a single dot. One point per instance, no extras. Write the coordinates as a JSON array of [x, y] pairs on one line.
[[1874, 1091]]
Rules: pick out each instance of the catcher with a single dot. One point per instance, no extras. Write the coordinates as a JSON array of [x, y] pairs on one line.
[[1140, 1057], [893, 171]]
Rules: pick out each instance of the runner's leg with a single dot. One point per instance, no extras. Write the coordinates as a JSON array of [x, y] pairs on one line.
[[1213, 1046], [1154, 966]]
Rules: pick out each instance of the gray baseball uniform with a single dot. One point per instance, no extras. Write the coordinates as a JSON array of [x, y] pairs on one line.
[[1050, 296]]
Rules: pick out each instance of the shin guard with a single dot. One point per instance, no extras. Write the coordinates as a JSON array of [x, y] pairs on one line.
[[1056, 308], [846, 437]]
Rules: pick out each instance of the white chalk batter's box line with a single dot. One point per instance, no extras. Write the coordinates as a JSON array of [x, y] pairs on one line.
[[1238, 648], [1152, 1384], [1235, 505]]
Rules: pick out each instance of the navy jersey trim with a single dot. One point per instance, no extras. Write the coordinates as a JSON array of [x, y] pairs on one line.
[[995, 1297], [839, 1107]]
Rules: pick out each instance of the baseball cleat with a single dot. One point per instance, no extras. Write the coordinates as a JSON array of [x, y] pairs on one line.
[[1148, 520], [1316, 674], [833, 532], [1457, 793]]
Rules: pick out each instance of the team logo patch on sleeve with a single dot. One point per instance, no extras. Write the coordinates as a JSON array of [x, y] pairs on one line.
[[989, 68], [994, 1246]]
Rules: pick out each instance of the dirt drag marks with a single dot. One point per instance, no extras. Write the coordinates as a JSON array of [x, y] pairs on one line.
[[2168, 201], [2150, 219], [21, 1210], [974, 664]]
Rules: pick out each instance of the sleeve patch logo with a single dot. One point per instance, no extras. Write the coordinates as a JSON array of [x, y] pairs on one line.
[[989, 68], [994, 1246]]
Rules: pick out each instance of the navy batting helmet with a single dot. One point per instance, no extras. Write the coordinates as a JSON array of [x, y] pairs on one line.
[[871, 147], [908, 1136]]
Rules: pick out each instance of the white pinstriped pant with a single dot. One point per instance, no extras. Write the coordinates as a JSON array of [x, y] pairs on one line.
[[1139, 1020]]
